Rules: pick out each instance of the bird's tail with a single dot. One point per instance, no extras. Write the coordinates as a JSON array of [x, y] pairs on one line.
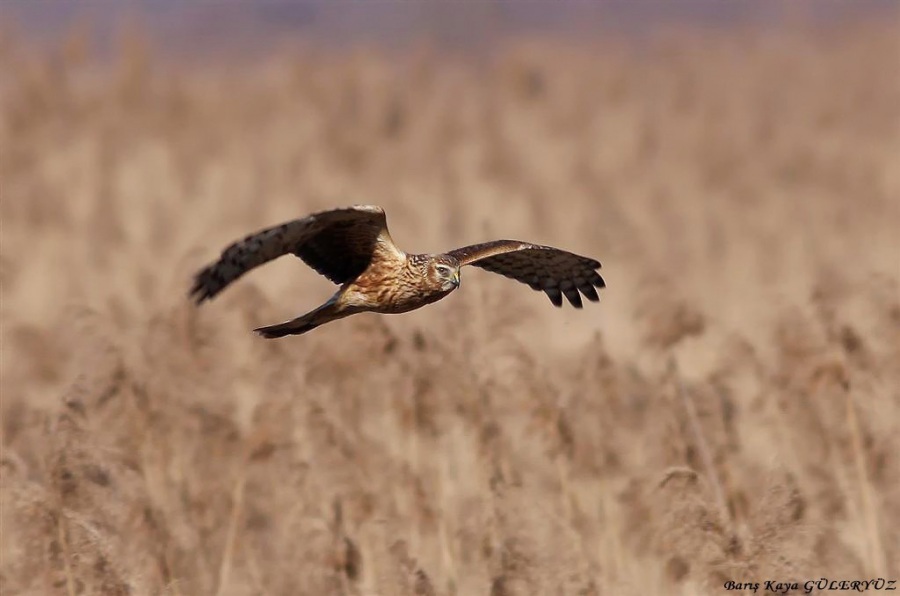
[[324, 314]]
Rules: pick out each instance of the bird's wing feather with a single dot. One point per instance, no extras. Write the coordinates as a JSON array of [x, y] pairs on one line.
[[339, 244], [556, 272]]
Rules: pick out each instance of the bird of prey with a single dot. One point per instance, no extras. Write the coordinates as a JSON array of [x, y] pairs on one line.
[[352, 247]]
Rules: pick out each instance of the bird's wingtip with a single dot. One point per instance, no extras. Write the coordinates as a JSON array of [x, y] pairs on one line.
[[201, 290]]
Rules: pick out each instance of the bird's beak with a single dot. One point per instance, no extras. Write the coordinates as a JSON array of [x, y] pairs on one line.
[[456, 279]]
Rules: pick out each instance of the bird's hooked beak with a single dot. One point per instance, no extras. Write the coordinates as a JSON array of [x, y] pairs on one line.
[[455, 279]]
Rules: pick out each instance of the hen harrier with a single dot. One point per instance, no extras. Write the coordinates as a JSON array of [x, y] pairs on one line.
[[352, 247]]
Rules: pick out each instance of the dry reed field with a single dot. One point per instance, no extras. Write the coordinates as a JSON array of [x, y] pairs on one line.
[[730, 410]]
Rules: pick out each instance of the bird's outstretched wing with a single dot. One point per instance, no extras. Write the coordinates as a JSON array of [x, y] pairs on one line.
[[556, 272], [339, 244]]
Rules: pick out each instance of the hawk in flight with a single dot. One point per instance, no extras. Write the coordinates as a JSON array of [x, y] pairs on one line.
[[352, 248]]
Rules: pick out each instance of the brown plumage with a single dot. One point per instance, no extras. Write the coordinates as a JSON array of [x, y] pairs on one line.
[[352, 248]]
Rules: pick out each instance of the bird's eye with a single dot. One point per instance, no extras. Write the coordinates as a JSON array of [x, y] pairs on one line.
[[443, 269]]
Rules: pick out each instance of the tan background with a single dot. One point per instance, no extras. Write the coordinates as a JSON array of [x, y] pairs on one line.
[[729, 411]]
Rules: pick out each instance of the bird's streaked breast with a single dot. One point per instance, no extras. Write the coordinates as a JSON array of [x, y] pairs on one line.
[[392, 286]]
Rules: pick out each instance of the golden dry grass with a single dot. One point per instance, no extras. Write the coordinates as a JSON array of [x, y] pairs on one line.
[[731, 410]]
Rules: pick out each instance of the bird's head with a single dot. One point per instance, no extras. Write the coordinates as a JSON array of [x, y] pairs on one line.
[[443, 272]]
